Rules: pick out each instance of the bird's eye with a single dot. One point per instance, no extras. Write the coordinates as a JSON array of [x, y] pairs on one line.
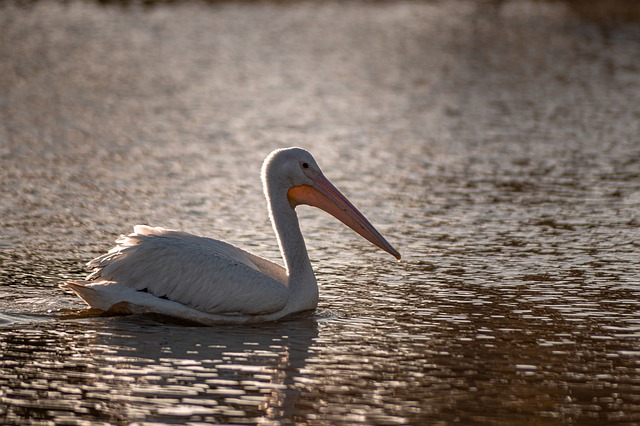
[[305, 165]]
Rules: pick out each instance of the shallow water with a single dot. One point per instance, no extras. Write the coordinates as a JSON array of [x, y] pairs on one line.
[[495, 144]]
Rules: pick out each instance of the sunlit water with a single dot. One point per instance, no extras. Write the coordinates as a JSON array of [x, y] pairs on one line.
[[496, 145]]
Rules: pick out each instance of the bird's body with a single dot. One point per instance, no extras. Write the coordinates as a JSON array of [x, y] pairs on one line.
[[210, 281]]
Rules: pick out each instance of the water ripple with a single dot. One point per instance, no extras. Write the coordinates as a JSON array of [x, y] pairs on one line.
[[499, 156]]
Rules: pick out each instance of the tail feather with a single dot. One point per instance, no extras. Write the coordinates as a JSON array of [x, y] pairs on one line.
[[91, 296]]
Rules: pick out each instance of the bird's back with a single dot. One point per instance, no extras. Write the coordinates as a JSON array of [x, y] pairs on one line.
[[206, 274]]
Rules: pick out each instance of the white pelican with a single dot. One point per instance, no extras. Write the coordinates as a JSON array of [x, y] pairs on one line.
[[210, 281]]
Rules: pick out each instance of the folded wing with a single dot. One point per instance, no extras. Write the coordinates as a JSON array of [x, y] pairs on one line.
[[205, 274]]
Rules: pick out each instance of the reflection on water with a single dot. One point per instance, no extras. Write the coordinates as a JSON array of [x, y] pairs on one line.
[[494, 143], [136, 369]]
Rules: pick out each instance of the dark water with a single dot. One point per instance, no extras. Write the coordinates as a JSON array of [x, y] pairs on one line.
[[495, 144]]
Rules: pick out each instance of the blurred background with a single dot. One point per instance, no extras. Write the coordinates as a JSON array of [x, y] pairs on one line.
[[496, 144]]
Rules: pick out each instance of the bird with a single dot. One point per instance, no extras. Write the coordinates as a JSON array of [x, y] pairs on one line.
[[208, 281]]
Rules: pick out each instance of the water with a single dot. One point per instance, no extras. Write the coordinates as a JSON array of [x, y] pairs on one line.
[[495, 144]]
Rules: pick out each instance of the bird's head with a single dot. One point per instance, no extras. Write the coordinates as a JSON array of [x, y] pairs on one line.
[[297, 172]]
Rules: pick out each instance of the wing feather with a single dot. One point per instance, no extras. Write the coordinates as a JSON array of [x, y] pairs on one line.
[[205, 274]]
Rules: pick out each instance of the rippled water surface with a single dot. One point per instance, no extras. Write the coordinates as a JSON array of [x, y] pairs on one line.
[[495, 144]]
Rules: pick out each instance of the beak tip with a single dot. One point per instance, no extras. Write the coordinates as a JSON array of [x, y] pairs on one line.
[[396, 254]]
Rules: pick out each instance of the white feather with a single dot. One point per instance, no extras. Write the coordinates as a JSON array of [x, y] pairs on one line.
[[210, 281], [202, 273]]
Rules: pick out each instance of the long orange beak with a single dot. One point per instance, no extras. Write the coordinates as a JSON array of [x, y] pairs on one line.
[[325, 196]]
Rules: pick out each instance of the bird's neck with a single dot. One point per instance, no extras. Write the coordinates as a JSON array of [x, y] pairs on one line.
[[301, 279]]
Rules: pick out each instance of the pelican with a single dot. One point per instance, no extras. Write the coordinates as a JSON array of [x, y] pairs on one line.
[[158, 270]]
